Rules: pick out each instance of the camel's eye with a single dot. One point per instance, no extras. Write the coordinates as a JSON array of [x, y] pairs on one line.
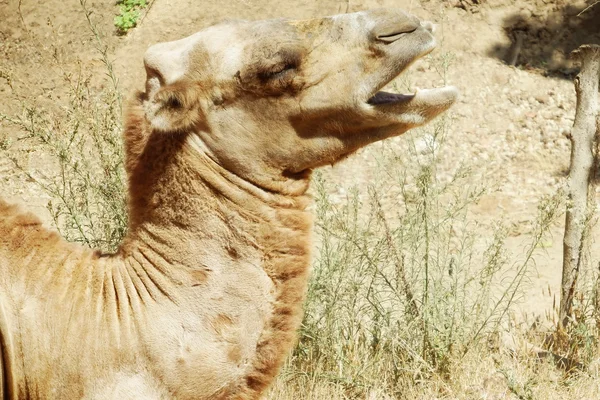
[[273, 73], [279, 71]]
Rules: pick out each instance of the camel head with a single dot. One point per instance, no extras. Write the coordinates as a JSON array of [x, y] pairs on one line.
[[271, 100]]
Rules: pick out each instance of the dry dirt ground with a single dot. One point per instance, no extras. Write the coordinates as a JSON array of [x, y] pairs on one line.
[[510, 124]]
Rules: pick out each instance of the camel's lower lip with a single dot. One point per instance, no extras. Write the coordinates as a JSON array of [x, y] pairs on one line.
[[389, 98], [437, 97]]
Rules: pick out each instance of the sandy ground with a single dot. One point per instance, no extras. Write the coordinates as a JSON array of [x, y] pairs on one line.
[[510, 124]]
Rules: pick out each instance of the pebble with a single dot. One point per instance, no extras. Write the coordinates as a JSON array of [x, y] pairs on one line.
[[542, 98]]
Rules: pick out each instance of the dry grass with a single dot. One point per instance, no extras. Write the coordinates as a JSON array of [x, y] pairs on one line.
[[83, 172], [408, 299]]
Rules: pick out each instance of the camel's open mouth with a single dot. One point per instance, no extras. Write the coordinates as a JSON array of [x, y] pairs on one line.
[[434, 98], [424, 97], [389, 98]]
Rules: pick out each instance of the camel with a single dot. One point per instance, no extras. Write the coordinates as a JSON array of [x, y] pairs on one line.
[[204, 296]]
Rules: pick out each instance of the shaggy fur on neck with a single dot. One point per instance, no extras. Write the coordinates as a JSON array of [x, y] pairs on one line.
[[202, 300], [276, 225]]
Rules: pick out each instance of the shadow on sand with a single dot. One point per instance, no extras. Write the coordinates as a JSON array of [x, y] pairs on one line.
[[543, 40]]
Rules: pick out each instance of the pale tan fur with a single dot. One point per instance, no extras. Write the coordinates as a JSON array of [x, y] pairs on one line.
[[205, 294]]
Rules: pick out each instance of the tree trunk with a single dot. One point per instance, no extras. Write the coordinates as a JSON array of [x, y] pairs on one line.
[[582, 161]]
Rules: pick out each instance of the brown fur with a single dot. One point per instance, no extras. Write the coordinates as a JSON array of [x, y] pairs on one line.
[[205, 294], [278, 231]]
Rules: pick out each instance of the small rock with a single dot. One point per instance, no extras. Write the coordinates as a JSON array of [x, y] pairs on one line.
[[574, 23], [542, 98], [525, 15]]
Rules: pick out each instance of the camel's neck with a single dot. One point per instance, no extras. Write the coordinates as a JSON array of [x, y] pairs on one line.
[[177, 191], [200, 217]]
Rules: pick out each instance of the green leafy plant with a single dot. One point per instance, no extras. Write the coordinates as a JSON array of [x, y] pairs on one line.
[[129, 14]]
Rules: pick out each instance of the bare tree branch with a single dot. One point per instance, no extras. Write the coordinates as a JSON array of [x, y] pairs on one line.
[[582, 161]]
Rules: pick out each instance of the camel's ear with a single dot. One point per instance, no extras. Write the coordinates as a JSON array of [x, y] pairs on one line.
[[174, 107], [172, 100]]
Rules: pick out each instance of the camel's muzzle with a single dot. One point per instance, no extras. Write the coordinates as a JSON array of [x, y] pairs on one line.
[[396, 30]]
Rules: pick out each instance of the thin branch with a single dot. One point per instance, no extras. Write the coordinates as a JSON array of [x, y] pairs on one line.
[[588, 8], [21, 16]]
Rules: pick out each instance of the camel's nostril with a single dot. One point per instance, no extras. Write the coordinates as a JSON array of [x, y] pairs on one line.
[[389, 37], [392, 29]]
